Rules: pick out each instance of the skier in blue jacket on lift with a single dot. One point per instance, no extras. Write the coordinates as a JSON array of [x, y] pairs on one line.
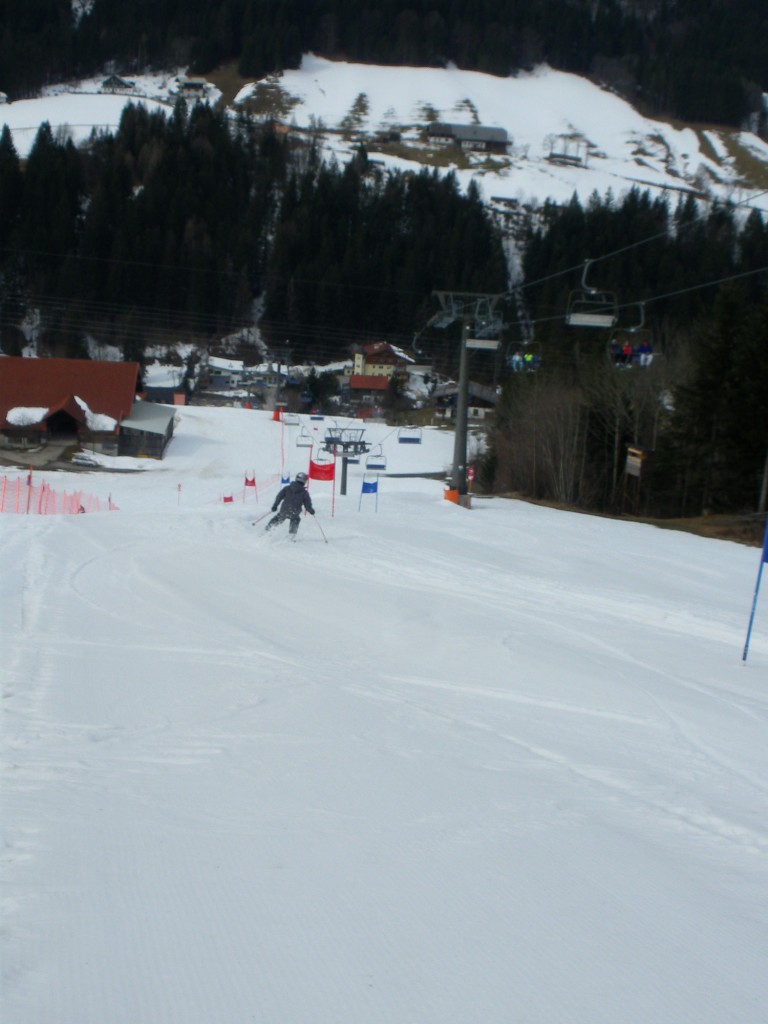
[[294, 497]]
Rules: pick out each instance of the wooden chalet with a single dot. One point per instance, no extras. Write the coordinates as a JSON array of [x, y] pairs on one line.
[[380, 359], [469, 137], [85, 400], [191, 87], [481, 401], [114, 83], [365, 393], [373, 367]]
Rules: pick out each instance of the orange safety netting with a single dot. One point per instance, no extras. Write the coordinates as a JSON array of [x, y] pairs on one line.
[[24, 497]]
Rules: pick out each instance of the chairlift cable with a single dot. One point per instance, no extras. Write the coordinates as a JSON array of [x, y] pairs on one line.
[[634, 245], [310, 333], [654, 298]]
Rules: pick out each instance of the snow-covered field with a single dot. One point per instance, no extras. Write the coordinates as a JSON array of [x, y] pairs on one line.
[[448, 767], [75, 115], [542, 112]]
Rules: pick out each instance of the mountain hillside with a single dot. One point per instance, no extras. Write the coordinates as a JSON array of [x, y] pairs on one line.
[[327, 207], [703, 62], [565, 134]]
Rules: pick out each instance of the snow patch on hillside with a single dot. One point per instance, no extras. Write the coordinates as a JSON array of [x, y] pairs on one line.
[[348, 103]]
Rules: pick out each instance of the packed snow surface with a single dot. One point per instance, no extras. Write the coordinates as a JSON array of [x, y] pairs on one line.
[[427, 765]]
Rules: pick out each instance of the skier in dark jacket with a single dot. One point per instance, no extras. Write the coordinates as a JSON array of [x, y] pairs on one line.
[[294, 497]]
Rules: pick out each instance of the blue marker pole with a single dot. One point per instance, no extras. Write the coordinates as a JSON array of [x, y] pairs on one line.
[[763, 560]]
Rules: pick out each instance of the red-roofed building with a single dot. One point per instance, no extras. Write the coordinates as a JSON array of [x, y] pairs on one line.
[[373, 367], [365, 382], [85, 399], [380, 359], [365, 394]]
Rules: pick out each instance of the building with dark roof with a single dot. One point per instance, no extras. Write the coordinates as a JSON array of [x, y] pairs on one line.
[[469, 136]]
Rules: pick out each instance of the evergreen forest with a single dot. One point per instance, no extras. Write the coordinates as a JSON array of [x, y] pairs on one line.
[[692, 282], [698, 62], [190, 226], [176, 228]]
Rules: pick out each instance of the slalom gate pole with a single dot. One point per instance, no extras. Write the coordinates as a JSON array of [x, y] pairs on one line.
[[752, 614], [320, 529], [763, 560]]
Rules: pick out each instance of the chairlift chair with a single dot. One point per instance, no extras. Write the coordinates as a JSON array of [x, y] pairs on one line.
[[291, 419], [305, 439], [639, 337], [591, 307], [323, 457], [376, 460], [409, 435], [530, 354]]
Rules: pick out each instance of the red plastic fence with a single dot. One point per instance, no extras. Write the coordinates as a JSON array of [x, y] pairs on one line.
[[24, 497]]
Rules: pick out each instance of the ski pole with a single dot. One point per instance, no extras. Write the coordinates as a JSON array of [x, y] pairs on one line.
[[261, 517], [320, 529]]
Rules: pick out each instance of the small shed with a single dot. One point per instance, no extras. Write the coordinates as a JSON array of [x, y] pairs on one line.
[[147, 431]]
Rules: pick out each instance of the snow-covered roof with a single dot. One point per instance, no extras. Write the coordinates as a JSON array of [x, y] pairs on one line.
[[24, 416], [149, 417], [96, 420], [96, 393], [233, 365]]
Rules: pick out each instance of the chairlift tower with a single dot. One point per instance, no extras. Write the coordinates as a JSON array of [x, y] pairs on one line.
[[283, 354], [347, 443], [475, 311]]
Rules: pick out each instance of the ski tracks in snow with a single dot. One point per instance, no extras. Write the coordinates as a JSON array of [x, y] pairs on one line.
[[629, 786], [661, 728]]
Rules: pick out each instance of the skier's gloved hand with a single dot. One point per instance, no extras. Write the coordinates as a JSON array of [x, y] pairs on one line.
[[311, 511], [274, 508]]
